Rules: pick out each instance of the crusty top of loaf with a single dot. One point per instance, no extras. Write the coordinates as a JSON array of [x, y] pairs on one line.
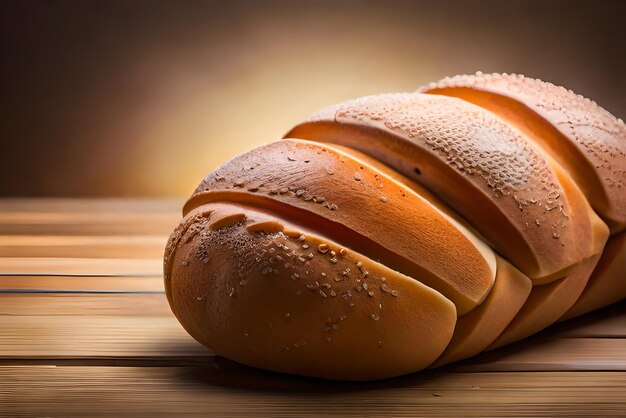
[[474, 160], [599, 135], [470, 138]]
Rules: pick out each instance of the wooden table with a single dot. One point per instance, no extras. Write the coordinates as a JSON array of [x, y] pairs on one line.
[[85, 330]]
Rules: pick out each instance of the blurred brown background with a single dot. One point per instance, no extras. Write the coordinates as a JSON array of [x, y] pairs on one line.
[[118, 98]]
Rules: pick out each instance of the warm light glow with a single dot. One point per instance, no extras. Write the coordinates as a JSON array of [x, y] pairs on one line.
[[146, 100]]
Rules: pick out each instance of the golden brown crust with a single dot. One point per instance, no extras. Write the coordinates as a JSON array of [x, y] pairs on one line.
[[477, 330], [607, 284], [547, 303], [484, 169], [426, 194], [585, 138], [409, 233], [291, 301]]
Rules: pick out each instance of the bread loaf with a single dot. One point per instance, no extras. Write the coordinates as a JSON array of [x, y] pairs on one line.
[[397, 232]]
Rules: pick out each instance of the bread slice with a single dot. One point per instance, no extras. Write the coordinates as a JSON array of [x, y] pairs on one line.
[[487, 171], [547, 303], [270, 294], [607, 284], [477, 330], [586, 139], [358, 206]]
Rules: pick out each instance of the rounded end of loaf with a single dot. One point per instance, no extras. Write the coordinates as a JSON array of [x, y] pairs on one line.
[[266, 293], [355, 204]]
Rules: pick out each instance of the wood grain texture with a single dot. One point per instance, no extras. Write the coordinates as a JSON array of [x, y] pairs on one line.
[[85, 330], [63, 304], [123, 336], [82, 246], [86, 223], [80, 284], [226, 390], [95, 337], [51, 266], [107, 205]]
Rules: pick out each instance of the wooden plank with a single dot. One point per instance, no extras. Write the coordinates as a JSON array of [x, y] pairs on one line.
[[609, 322], [95, 205], [59, 304], [83, 284], [609, 327], [139, 337], [148, 246], [80, 266], [139, 329], [87, 223], [552, 354], [222, 390], [96, 336]]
